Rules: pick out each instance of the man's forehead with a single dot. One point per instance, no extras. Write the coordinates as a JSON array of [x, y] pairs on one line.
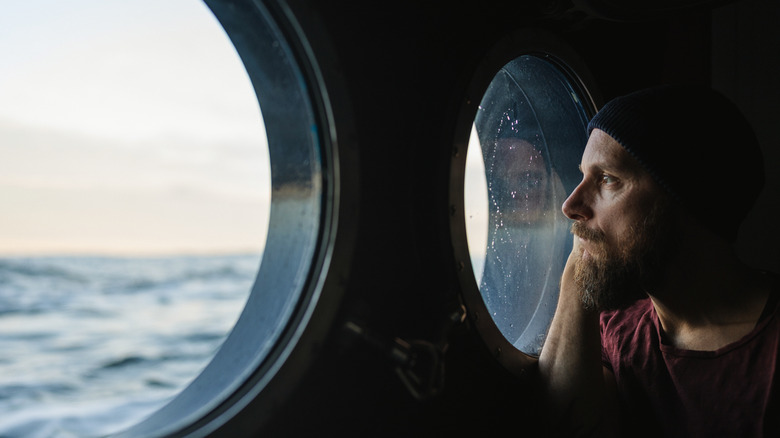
[[603, 151]]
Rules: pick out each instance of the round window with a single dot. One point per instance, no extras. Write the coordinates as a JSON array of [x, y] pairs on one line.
[[527, 136], [133, 129], [287, 289], [136, 185]]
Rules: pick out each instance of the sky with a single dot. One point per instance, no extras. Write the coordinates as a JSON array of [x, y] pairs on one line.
[[128, 128], [475, 203]]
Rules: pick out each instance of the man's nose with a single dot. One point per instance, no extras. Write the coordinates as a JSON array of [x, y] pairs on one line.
[[576, 206]]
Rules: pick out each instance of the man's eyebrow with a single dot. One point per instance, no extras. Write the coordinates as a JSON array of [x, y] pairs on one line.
[[593, 167]]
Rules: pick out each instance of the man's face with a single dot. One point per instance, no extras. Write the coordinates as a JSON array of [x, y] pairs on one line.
[[622, 219], [519, 182]]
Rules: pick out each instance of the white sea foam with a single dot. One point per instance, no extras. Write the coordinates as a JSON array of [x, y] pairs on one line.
[[91, 345]]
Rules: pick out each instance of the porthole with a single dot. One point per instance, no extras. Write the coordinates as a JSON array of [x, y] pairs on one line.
[[281, 296], [135, 184], [287, 296], [527, 134]]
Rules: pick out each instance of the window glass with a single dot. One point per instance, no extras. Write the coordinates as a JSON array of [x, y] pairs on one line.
[[135, 183], [528, 135], [286, 291]]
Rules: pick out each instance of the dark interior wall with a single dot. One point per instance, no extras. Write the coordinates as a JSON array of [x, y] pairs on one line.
[[403, 71], [625, 56], [746, 68]]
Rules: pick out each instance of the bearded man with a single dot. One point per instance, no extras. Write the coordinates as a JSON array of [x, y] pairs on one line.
[[660, 330]]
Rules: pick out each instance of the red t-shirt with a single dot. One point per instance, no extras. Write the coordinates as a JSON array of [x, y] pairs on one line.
[[668, 392]]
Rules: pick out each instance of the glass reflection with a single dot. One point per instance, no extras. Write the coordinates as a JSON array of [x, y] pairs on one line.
[[523, 248], [523, 126]]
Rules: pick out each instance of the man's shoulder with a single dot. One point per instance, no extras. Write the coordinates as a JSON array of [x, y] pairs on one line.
[[639, 310], [628, 334]]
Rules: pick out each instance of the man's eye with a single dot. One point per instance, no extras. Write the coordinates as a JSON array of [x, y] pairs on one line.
[[608, 179]]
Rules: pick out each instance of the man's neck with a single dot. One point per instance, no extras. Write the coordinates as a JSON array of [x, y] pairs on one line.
[[708, 298]]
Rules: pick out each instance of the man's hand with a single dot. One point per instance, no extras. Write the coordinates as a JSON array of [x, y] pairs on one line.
[[570, 364], [567, 279]]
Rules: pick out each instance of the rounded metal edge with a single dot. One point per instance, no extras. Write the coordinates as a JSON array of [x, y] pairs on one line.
[[273, 383], [247, 409], [528, 41]]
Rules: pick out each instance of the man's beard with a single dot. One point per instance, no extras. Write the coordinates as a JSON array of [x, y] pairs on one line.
[[614, 278]]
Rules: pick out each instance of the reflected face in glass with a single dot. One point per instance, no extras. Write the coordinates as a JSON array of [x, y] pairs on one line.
[[530, 127], [519, 182]]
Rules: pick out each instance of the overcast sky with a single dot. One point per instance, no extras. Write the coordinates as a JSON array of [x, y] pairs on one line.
[[127, 127]]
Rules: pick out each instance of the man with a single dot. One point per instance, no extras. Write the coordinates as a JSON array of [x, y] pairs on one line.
[[660, 330]]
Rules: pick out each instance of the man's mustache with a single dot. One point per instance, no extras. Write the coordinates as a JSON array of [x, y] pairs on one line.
[[580, 230]]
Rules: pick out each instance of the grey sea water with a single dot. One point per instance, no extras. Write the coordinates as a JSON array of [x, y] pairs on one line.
[[91, 345]]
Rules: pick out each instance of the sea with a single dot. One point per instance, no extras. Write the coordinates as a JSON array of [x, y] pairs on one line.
[[91, 345]]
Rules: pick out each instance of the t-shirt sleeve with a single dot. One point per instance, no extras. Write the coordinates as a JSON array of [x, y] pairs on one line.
[[605, 340]]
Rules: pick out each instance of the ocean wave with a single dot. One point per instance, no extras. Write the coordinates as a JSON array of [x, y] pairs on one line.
[[11, 268], [91, 343], [124, 362], [18, 391], [72, 420]]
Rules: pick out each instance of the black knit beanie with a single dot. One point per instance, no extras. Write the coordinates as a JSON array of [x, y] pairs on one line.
[[696, 144]]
